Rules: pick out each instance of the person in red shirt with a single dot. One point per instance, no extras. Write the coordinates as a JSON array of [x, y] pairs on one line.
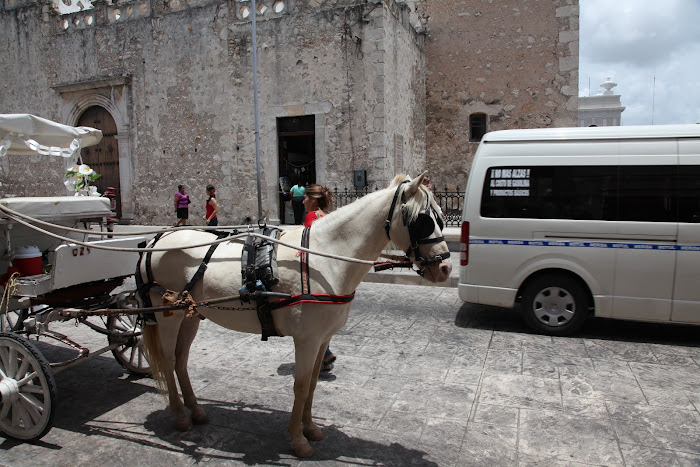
[[318, 199], [212, 207]]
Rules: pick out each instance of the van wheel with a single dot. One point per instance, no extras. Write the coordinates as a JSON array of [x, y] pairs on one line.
[[555, 305]]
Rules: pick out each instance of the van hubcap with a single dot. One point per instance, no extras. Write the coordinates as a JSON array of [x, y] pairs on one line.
[[554, 306]]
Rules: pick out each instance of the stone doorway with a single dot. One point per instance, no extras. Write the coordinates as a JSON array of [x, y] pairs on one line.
[[103, 157], [297, 157]]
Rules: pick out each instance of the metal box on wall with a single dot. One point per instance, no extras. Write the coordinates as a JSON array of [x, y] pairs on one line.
[[360, 178]]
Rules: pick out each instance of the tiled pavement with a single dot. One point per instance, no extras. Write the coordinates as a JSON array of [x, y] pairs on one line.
[[421, 379]]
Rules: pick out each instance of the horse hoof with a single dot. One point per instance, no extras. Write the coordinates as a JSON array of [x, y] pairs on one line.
[[302, 448], [183, 425], [314, 433], [200, 417]]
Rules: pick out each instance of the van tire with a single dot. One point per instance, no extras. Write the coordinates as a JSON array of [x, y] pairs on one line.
[[555, 305]]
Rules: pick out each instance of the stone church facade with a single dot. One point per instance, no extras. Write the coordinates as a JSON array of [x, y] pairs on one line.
[[347, 90], [495, 65]]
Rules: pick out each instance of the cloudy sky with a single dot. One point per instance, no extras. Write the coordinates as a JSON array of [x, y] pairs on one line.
[[635, 41]]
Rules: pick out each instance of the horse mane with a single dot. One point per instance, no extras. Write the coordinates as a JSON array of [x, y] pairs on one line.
[[417, 203]]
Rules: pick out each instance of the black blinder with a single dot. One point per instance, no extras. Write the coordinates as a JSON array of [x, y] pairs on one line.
[[423, 226]]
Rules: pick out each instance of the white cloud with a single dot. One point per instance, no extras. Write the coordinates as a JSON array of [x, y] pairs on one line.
[[651, 49]]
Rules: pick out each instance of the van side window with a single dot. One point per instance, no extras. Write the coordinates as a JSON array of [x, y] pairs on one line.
[[477, 127], [688, 190], [626, 193], [550, 193], [645, 194]]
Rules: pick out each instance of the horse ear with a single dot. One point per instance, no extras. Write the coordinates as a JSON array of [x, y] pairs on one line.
[[414, 185]]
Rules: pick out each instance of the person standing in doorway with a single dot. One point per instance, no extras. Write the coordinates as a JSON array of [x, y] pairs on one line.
[[182, 203], [318, 199], [297, 192], [212, 207]]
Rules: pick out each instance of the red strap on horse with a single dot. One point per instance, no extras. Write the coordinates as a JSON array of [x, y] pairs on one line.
[[306, 296]]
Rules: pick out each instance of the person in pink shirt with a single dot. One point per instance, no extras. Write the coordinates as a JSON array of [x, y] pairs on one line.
[[182, 203]]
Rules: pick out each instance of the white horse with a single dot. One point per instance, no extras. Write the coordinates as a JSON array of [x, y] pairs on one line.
[[359, 230]]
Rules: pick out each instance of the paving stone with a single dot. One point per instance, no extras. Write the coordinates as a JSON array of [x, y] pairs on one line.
[[519, 391], [642, 455], [489, 445], [568, 437]]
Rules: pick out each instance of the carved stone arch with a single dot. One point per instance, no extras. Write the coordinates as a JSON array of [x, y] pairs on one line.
[[90, 100], [113, 95]]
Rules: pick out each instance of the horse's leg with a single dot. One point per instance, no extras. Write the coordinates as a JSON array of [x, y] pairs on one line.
[[169, 328], [306, 356], [311, 430], [188, 331]]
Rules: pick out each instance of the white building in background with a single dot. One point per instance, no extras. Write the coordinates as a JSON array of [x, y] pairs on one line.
[[603, 109]]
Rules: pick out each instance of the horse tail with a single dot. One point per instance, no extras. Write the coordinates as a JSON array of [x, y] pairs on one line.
[[151, 340]]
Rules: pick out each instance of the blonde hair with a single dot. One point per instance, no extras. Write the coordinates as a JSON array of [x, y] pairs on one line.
[[322, 194]]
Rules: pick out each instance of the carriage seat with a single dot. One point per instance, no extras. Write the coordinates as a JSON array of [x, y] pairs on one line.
[[60, 206]]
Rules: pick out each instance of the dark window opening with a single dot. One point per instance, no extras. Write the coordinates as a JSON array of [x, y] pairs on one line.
[[477, 127]]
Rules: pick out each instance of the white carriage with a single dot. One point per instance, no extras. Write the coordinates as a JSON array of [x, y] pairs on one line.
[[45, 271]]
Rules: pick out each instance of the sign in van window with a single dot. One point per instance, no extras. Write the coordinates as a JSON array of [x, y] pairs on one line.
[[637, 193], [510, 182]]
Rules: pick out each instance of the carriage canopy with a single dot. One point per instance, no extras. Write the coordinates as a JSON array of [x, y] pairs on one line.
[[25, 134]]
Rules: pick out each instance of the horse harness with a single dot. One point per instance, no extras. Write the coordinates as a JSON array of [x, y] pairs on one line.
[[144, 287], [419, 230], [256, 279]]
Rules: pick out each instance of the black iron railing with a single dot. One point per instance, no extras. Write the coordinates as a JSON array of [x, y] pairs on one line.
[[449, 201]]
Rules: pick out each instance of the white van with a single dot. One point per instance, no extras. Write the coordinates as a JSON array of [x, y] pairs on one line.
[[569, 222]]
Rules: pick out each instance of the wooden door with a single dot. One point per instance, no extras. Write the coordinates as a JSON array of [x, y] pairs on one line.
[[103, 157]]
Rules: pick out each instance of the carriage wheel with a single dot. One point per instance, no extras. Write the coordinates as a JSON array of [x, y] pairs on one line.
[[27, 389], [132, 354], [13, 320]]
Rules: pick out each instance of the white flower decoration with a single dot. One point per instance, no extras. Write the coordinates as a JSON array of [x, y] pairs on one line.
[[79, 177]]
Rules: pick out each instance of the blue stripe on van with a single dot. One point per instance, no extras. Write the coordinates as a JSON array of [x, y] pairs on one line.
[[578, 244]]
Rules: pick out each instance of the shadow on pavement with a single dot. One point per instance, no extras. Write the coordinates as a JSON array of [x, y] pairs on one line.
[[509, 320], [255, 434], [238, 431]]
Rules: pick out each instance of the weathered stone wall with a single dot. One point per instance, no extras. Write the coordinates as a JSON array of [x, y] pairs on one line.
[[515, 61], [177, 78], [403, 148]]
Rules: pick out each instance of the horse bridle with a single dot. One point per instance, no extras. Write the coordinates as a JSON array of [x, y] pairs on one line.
[[419, 231]]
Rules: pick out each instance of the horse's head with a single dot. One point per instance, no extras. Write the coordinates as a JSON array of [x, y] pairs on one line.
[[417, 228]]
